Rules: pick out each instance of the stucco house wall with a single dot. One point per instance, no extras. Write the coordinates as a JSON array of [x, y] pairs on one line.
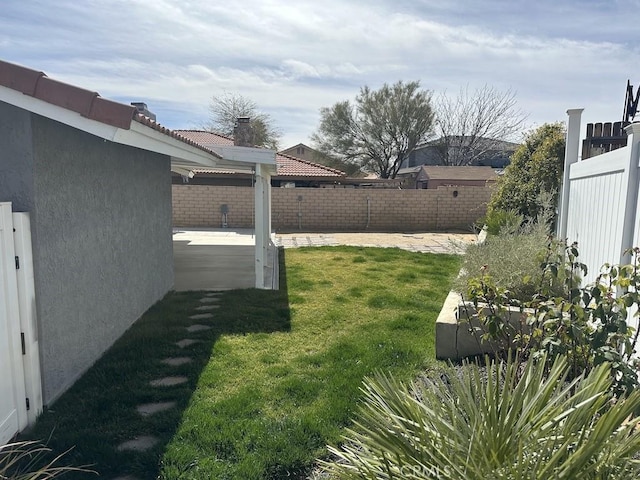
[[101, 235]]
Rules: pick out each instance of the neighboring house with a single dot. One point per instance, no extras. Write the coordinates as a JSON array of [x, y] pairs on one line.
[[95, 177], [496, 154], [303, 152], [427, 176], [290, 171]]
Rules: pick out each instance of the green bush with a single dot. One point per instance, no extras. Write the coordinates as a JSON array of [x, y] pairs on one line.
[[587, 324], [508, 422], [512, 260], [536, 168], [502, 221]]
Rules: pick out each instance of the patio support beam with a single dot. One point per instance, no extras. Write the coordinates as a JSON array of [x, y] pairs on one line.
[[262, 209]]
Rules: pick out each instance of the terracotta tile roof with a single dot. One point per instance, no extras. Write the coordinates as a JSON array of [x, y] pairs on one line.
[[205, 138], [287, 166], [87, 103]]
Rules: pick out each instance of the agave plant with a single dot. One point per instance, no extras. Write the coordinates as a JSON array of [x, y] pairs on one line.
[[25, 461], [504, 421]]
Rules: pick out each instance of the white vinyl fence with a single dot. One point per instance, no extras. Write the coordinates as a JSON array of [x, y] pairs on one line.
[[20, 385], [600, 204], [599, 207]]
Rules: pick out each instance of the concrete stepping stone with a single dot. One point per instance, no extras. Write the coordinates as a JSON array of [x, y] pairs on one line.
[[209, 300], [186, 342], [126, 477], [168, 381], [212, 294], [176, 361], [147, 409], [201, 316], [198, 328], [139, 444], [207, 307]]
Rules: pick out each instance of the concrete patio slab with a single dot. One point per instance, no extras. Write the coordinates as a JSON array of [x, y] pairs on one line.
[[223, 259]]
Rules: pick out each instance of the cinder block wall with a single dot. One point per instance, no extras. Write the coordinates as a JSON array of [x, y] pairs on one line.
[[320, 209]]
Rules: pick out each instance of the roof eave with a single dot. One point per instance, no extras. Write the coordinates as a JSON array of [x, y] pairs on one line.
[[138, 135]]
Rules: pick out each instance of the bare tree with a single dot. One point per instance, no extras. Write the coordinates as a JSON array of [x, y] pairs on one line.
[[379, 129], [225, 109], [475, 124]]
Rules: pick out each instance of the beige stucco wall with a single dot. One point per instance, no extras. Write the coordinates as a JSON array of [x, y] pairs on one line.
[[318, 209]]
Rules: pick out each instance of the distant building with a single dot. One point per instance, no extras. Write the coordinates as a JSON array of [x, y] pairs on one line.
[[434, 176], [497, 153]]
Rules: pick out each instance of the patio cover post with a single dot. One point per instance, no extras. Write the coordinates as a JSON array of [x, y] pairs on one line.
[[572, 145], [262, 210]]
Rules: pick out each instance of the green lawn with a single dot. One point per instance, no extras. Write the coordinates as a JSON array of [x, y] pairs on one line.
[[274, 381]]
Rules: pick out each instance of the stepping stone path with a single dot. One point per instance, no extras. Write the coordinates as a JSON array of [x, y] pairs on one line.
[[186, 342], [198, 328], [168, 381], [139, 444], [209, 299], [150, 408], [176, 361], [145, 442], [207, 307]]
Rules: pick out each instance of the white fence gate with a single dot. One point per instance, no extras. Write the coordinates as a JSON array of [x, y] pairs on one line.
[[20, 387], [600, 203]]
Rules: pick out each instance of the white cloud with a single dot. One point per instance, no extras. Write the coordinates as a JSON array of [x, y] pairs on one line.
[[293, 58]]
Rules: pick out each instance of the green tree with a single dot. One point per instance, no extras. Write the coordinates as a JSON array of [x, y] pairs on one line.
[[535, 172], [379, 129], [225, 109]]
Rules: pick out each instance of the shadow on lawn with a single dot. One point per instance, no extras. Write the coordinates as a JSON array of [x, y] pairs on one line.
[[100, 411]]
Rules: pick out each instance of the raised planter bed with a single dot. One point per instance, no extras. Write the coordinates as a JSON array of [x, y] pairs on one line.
[[457, 333]]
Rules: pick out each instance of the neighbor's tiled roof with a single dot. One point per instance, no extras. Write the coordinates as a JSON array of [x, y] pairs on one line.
[[459, 173], [205, 138], [87, 103], [287, 166]]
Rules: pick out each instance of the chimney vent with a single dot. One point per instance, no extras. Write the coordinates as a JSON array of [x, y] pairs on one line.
[[243, 132], [141, 107]]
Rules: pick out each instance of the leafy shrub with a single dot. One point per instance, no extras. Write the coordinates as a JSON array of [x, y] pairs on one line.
[[587, 324], [536, 167], [502, 221], [512, 260], [509, 422]]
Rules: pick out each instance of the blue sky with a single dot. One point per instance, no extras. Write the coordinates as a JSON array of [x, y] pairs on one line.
[[292, 58]]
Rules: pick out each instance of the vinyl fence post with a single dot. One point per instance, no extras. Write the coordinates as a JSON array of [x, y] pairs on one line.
[[571, 149]]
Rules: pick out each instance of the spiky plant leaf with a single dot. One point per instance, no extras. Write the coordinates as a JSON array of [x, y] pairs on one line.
[[510, 420]]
